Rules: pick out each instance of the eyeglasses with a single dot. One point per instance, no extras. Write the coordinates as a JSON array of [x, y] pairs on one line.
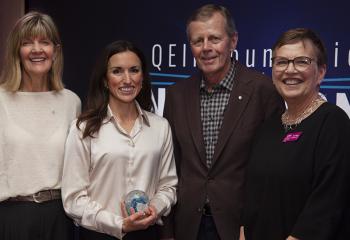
[[300, 63]]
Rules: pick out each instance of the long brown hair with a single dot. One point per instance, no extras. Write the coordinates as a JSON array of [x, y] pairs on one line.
[[98, 95]]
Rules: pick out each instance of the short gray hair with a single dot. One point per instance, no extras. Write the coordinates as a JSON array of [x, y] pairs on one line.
[[207, 11]]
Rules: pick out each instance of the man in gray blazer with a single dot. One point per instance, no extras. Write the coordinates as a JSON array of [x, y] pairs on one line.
[[214, 116]]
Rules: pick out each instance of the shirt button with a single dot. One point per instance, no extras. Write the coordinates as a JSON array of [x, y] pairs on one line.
[[131, 143], [199, 210]]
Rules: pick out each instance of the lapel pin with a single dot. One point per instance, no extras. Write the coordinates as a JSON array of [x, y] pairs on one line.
[[239, 97]]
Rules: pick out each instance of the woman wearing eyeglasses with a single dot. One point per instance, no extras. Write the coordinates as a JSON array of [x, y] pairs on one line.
[[298, 174]]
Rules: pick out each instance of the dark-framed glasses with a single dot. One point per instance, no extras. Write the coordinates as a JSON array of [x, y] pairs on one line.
[[300, 63]]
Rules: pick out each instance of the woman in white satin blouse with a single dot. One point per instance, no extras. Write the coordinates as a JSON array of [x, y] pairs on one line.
[[117, 145]]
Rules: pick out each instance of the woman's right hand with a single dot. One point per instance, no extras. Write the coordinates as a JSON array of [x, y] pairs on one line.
[[138, 220]]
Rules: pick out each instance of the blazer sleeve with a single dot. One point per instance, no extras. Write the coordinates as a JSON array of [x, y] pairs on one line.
[[274, 105]]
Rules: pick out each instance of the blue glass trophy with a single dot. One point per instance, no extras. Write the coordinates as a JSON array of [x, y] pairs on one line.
[[136, 199]]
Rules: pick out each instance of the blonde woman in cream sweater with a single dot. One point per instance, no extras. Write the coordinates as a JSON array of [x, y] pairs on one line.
[[35, 114]]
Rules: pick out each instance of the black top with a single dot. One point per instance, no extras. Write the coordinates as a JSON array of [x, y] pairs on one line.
[[299, 187]]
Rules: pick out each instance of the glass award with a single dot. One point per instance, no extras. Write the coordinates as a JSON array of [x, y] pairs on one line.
[[136, 199]]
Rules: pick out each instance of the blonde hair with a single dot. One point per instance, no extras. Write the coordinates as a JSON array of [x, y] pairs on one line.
[[32, 24]]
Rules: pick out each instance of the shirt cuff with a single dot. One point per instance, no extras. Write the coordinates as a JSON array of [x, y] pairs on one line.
[[160, 206], [110, 224]]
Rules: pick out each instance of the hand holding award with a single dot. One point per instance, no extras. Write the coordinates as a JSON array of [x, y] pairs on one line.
[[137, 212]]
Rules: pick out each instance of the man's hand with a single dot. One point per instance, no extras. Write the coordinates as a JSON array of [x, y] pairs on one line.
[[241, 233], [292, 238]]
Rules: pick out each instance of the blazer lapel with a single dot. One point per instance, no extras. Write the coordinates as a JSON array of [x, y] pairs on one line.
[[239, 99], [194, 116]]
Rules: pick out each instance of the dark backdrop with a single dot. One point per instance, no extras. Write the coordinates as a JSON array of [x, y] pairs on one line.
[[158, 28]]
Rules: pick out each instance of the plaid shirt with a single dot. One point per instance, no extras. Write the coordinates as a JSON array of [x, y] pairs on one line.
[[213, 105]]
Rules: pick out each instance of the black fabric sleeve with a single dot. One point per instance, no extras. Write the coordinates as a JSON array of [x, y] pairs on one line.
[[322, 213]]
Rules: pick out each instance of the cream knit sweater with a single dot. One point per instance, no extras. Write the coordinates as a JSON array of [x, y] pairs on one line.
[[33, 131]]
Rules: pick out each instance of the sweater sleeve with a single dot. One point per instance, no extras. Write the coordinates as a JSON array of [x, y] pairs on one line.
[[323, 210], [76, 200]]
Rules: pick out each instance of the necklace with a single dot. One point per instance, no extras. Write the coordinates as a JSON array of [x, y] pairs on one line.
[[291, 123]]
